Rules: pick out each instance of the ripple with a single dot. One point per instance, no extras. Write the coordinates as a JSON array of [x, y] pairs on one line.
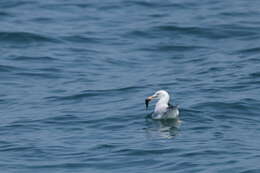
[[4, 14], [155, 4], [216, 32], [34, 59], [7, 68], [250, 50], [250, 171], [175, 48], [93, 93], [82, 39], [11, 148], [223, 105], [138, 152], [255, 74], [65, 122], [38, 75], [15, 4], [25, 37]]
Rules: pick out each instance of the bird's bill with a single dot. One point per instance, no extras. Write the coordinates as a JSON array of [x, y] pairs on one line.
[[150, 98], [147, 100]]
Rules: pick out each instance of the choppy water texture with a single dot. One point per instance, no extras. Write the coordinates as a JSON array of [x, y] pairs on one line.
[[74, 76]]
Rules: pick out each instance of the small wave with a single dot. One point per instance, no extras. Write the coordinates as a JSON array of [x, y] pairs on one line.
[[159, 4], [250, 50], [138, 34], [33, 59], [82, 39], [24, 37], [240, 110], [255, 74], [7, 68], [62, 120], [104, 146], [77, 122], [203, 152], [4, 14], [136, 152], [15, 148], [20, 125], [178, 28], [51, 69], [66, 165], [92, 93], [214, 32], [15, 4], [222, 105], [191, 30], [145, 3], [168, 48], [251, 170], [38, 75], [71, 97]]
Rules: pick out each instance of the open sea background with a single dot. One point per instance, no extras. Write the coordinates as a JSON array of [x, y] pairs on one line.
[[74, 76]]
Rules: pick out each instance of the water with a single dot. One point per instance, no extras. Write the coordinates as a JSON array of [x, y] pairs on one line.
[[74, 76]]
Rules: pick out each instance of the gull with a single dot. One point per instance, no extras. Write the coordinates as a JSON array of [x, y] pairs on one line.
[[163, 109]]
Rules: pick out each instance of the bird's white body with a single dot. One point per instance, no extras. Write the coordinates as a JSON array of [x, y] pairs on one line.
[[163, 110]]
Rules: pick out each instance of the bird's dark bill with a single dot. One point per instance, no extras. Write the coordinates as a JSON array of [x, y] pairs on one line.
[[147, 103]]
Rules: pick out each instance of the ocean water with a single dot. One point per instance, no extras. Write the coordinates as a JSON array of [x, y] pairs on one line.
[[74, 76]]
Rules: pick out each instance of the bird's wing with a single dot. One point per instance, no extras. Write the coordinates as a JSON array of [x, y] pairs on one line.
[[170, 106], [172, 111]]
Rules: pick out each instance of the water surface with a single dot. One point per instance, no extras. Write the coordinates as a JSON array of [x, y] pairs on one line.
[[74, 76]]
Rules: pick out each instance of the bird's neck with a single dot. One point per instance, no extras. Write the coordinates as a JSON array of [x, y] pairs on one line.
[[162, 104], [164, 100]]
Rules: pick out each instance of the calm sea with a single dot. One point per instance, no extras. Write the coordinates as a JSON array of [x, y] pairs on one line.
[[74, 76]]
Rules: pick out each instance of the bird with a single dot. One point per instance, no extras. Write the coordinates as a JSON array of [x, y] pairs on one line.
[[163, 109]]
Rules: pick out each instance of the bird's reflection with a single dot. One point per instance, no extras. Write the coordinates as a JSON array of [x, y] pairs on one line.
[[164, 128]]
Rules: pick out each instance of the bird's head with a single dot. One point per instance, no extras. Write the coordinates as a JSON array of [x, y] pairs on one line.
[[157, 95]]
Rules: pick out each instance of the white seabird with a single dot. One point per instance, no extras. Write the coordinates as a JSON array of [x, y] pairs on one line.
[[163, 109]]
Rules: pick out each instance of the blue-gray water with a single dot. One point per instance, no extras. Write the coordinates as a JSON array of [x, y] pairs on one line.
[[74, 76]]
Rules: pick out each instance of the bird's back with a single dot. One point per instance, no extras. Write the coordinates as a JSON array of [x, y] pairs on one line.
[[172, 112]]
